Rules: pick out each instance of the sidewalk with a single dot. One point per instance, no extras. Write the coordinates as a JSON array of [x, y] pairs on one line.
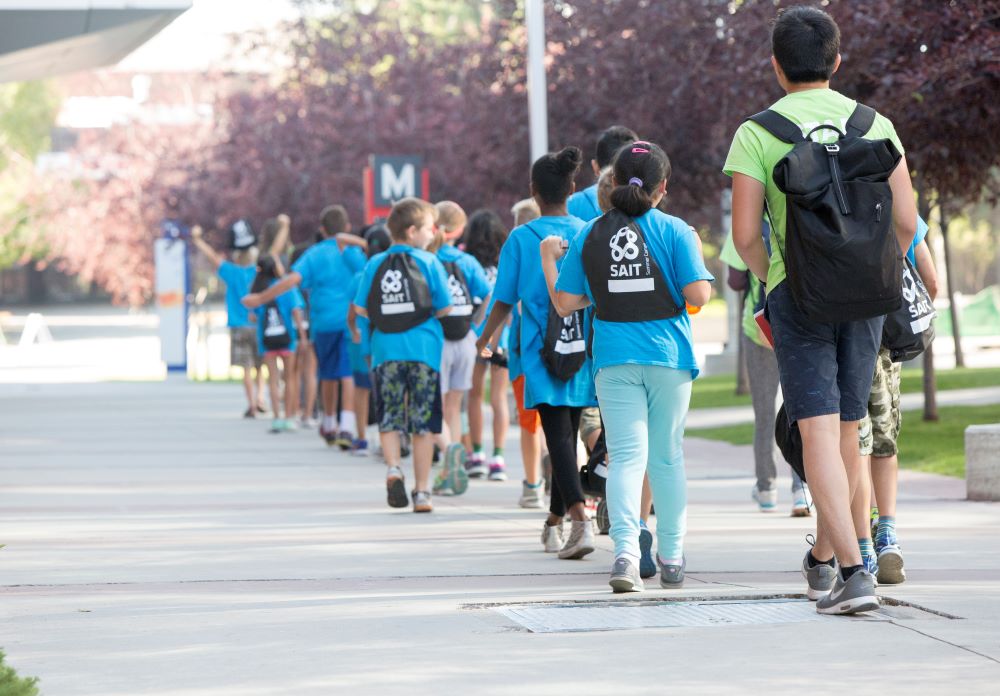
[[159, 545]]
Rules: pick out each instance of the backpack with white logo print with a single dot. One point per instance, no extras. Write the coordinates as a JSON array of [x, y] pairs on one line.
[[241, 235], [458, 322], [910, 329], [276, 334], [399, 298], [564, 344], [841, 255], [624, 278]]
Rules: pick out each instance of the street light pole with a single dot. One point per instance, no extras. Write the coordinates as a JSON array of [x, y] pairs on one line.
[[538, 113]]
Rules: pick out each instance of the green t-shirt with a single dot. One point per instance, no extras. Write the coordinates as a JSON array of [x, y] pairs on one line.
[[731, 257], [754, 152]]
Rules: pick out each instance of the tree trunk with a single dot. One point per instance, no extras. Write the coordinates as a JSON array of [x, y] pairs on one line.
[[742, 374], [930, 378], [955, 329]]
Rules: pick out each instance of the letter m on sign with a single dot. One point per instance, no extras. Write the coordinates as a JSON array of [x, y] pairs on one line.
[[395, 178]]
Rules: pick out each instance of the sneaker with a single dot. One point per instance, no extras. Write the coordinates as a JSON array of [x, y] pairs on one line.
[[552, 537], [329, 436], [580, 542], [308, 423], [625, 577], [851, 596], [343, 440], [359, 448], [249, 413], [475, 465], [647, 566], [767, 501], [454, 468], [396, 488], [261, 408], [290, 425], [497, 471], [603, 517], [531, 496], [671, 576], [819, 578], [277, 425], [870, 562], [801, 504], [422, 501], [890, 569]]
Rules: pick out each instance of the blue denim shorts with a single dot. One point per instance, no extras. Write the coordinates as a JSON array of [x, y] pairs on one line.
[[824, 368]]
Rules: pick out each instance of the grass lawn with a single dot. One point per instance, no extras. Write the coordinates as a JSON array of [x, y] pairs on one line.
[[938, 448], [718, 390]]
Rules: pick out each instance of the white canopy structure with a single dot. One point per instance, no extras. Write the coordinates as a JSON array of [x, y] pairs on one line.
[[43, 38]]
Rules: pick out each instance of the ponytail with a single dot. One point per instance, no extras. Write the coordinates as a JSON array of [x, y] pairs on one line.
[[639, 170]]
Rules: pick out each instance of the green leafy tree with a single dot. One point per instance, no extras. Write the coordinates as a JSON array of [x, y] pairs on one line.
[[13, 685]]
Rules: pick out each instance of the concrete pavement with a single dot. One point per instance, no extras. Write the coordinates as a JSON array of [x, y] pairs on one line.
[[158, 544]]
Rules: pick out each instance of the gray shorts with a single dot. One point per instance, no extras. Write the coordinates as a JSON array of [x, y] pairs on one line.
[[243, 347], [458, 358]]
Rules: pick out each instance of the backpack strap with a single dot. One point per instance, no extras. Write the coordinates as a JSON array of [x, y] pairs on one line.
[[777, 125], [861, 121]]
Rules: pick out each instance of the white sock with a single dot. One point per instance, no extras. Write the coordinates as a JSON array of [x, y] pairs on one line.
[[329, 423], [347, 421]]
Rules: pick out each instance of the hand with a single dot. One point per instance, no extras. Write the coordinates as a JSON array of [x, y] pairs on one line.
[[483, 346], [284, 220], [251, 301], [196, 232], [552, 247]]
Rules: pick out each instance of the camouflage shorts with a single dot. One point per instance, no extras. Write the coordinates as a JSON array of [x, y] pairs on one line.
[[409, 397], [880, 428]]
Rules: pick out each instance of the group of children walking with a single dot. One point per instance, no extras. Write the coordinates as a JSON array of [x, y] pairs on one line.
[[584, 305]]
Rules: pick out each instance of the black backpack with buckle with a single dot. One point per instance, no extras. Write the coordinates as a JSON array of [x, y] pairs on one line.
[[841, 255]]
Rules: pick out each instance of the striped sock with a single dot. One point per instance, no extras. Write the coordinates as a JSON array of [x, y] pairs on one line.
[[886, 531], [867, 553]]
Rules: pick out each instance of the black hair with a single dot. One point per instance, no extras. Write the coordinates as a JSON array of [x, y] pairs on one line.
[[484, 236], [552, 175], [267, 271], [805, 41], [610, 142], [638, 171], [378, 238]]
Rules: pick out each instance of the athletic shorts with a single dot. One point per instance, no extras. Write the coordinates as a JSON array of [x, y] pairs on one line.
[[409, 397], [825, 368], [527, 418], [243, 347], [590, 422], [458, 358], [362, 380], [879, 430], [332, 354]]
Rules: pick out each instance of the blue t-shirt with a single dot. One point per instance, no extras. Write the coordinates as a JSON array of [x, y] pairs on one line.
[[364, 326], [326, 274], [520, 278], [475, 276], [665, 342], [922, 228], [286, 301], [238, 280], [583, 204], [422, 343]]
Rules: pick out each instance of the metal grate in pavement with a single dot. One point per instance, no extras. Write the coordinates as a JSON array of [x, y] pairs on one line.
[[617, 616]]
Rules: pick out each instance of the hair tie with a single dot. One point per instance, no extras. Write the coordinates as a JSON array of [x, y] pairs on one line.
[[635, 181]]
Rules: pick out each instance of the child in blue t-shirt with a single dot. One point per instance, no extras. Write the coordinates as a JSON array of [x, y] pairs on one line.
[[403, 291], [280, 327], [585, 204], [238, 275], [466, 282], [559, 398], [638, 267]]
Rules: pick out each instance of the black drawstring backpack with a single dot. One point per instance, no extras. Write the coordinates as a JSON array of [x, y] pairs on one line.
[[399, 298]]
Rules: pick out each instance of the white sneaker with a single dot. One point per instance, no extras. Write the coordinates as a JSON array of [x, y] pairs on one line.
[[532, 497], [552, 538], [581, 541]]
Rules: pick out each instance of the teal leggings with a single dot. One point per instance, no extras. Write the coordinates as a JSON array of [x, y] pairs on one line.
[[644, 408]]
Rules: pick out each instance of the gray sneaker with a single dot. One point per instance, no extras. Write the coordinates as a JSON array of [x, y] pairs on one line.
[[580, 542], [850, 597], [890, 565], [625, 576], [820, 578], [531, 496], [672, 576]]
